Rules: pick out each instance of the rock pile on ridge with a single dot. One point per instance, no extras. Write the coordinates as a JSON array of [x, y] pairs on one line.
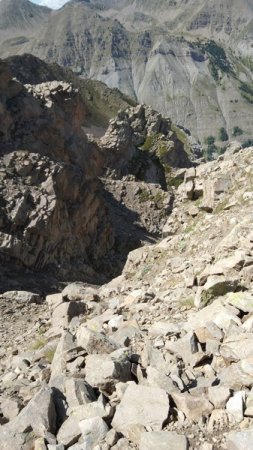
[[161, 357], [44, 91]]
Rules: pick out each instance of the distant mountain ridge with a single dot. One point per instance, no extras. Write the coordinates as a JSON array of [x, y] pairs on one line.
[[189, 59]]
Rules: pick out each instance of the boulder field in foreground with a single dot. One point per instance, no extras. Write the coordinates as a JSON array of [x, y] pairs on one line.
[[161, 357]]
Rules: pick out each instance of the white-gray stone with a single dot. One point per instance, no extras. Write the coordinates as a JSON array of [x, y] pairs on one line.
[[163, 440], [141, 407], [240, 440]]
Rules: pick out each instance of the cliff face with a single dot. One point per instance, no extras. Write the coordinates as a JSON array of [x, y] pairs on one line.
[[191, 60], [52, 210]]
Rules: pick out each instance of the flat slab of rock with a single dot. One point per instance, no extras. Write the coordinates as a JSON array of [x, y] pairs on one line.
[[237, 347], [163, 440], [22, 296], [215, 312], [241, 440], [241, 300], [163, 329], [237, 374], [141, 407]]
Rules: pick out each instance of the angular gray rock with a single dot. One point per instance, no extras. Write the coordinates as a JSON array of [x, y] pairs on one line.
[[93, 431], [93, 342], [80, 291], [59, 363], [104, 371], [141, 407], [64, 313], [193, 406], [38, 416], [163, 440], [78, 392], [22, 297]]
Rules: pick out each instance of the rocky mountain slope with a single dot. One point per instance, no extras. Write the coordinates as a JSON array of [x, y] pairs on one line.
[[161, 357], [58, 219], [190, 60]]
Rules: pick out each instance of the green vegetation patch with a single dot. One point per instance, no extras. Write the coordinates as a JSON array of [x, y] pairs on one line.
[[188, 302], [49, 353], [150, 141], [237, 131], [223, 136], [211, 148], [145, 196], [217, 59], [246, 91], [39, 343], [248, 143]]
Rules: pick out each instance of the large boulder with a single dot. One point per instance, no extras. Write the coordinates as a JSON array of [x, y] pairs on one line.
[[104, 371], [39, 417], [141, 407]]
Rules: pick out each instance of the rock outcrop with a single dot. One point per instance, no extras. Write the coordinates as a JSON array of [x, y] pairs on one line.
[[142, 150], [139, 140], [160, 356]]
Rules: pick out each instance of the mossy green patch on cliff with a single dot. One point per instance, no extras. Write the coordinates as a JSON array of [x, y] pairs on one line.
[[162, 151], [183, 138], [150, 141], [187, 302], [145, 196], [171, 180]]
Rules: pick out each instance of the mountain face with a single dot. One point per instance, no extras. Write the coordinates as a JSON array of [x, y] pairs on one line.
[[20, 15], [191, 60]]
